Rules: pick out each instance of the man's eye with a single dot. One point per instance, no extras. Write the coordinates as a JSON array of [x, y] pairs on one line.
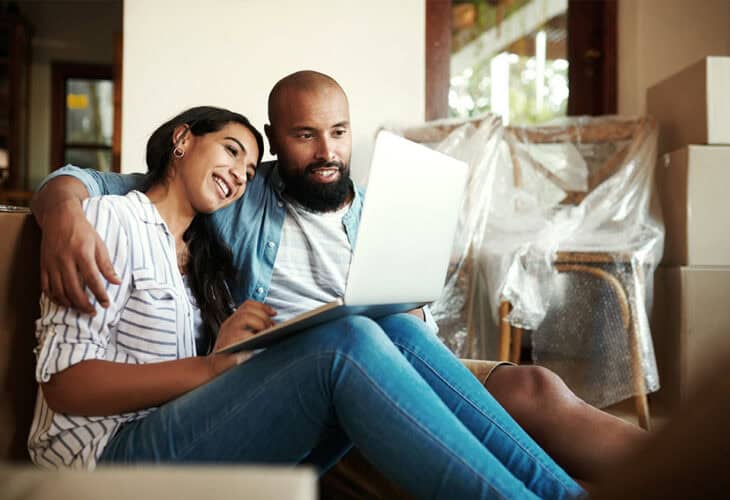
[[250, 174], [306, 135], [340, 132]]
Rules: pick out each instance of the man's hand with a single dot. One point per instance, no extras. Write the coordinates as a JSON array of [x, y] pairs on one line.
[[73, 256], [418, 313]]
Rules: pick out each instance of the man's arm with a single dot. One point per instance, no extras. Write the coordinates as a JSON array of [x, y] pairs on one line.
[[72, 253]]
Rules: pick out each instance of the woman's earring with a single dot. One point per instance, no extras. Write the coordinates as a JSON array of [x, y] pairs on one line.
[[178, 152]]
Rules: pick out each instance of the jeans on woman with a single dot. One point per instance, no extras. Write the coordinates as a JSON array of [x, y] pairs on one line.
[[425, 421]]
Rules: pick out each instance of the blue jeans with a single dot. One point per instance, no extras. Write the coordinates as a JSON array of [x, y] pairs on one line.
[[390, 387]]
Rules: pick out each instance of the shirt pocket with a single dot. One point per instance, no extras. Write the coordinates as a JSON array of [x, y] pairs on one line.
[[148, 324]]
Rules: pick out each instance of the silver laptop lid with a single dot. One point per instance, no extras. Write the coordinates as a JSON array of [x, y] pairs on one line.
[[409, 217]]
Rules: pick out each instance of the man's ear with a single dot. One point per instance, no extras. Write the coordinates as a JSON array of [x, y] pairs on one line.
[[273, 147]]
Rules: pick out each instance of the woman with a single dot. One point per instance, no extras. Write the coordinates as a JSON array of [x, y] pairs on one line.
[[125, 385]]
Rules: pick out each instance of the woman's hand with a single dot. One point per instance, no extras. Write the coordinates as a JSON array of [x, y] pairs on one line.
[[250, 318]]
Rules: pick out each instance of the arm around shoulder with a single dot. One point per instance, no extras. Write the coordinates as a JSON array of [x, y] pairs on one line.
[[64, 193], [72, 253]]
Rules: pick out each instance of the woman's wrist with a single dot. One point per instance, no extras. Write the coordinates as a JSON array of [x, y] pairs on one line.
[[219, 363]]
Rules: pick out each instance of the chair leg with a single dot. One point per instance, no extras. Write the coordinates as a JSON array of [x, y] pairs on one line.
[[642, 411], [516, 349], [470, 297], [505, 332], [641, 399]]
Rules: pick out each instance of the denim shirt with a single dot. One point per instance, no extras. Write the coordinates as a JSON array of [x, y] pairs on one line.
[[251, 226]]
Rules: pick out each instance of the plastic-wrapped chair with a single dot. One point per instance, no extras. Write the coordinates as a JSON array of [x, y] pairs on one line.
[[608, 235], [572, 200]]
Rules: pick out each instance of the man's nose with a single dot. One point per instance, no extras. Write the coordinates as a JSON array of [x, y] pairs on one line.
[[326, 149]]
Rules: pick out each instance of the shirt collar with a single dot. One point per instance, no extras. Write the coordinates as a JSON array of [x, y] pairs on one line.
[[147, 212], [275, 179]]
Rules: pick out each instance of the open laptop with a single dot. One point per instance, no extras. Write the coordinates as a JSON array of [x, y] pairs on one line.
[[404, 240]]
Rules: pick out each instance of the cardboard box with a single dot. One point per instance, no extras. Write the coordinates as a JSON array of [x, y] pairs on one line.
[[692, 186], [690, 328], [693, 106]]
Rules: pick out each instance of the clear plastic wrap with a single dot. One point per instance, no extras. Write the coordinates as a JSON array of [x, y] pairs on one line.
[[558, 221], [478, 143]]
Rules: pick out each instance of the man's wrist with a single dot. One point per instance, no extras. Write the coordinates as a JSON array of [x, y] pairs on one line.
[[69, 207], [418, 313]]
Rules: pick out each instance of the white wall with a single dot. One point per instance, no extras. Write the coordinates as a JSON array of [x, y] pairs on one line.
[[657, 38], [180, 53]]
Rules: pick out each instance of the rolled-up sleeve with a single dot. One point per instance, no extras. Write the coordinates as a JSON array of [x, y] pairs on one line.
[[67, 337], [98, 183]]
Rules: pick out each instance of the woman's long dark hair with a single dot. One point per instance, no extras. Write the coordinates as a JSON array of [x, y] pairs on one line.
[[211, 261]]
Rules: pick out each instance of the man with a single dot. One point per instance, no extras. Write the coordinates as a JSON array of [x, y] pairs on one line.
[[292, 235]]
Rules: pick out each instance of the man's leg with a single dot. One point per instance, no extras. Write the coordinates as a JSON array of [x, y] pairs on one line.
[[277, 407], [581, 438]]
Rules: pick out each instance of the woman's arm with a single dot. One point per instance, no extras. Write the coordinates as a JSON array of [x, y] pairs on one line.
[[97, 387]]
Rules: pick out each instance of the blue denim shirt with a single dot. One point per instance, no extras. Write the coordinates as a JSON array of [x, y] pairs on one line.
[[251, 226]]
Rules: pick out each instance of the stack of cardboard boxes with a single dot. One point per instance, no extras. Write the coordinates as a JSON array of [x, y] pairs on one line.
[[691, 315]]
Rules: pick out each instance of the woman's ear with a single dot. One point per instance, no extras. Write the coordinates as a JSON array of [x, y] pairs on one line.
[[180, 134]]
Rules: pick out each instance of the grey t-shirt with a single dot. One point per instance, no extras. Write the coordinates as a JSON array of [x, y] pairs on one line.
[[312, 261]]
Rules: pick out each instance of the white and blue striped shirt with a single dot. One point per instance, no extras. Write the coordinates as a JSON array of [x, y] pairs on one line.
[[149, 319]]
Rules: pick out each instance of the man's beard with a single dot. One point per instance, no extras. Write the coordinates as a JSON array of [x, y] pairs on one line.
[[316, 196]]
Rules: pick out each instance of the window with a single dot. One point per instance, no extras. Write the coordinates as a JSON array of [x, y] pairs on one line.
[[512, 62], [83, 116], [527, 60]]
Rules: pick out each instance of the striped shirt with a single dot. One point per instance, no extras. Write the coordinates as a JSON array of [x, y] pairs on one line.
[[149, 319], [312, 262]]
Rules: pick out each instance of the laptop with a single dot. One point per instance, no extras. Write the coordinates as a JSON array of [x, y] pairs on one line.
[[404, 241]]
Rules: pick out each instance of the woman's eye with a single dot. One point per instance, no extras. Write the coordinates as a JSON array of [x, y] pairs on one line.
[[249, 175], [232, 150]]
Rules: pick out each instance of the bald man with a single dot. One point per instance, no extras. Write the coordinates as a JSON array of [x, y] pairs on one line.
[[292, 236]]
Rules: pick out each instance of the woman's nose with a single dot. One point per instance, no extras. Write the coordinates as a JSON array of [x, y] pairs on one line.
[[238, 177]]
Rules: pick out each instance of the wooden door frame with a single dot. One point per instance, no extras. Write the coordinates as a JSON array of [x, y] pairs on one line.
[[438, 58], [592, 57], [60, 72]]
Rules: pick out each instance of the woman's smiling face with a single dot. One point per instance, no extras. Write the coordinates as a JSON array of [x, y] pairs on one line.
[[216, 166]]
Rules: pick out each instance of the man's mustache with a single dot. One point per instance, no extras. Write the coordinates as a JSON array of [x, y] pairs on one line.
[[324, 164]]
